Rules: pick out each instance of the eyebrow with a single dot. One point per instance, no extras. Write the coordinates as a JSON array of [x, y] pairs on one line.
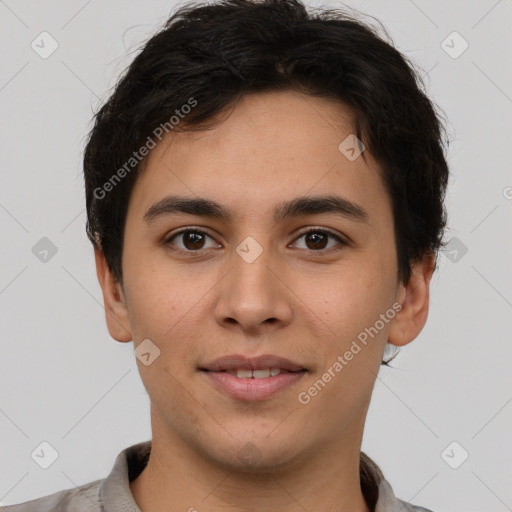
[[300, 206]]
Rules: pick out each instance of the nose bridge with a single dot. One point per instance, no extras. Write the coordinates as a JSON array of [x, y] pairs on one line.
[[251, 277], [250, 267], [251, 294]]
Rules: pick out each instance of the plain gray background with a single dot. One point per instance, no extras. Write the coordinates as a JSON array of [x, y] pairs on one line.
[[66, 382]]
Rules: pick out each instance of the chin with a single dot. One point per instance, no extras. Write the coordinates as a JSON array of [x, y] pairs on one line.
[[252, 455]]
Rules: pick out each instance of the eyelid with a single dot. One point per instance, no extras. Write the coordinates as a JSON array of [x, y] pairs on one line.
[[342, 240], [186, 229]]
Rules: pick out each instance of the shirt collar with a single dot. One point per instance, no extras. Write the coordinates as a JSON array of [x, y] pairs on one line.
[[115, 494]]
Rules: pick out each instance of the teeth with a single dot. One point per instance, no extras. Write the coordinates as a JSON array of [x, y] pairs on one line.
[[260, 374], [244, 374], [257, 374]]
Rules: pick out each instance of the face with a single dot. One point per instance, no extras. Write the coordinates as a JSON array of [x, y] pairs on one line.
[[265, 271]]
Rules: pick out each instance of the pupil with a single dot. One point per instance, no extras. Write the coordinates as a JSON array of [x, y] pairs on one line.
[[318, 240], [193, 240]]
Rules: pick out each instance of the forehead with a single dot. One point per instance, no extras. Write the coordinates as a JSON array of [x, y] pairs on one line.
[[267, 147]]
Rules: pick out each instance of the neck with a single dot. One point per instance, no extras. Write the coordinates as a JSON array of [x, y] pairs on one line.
[[326, 479]]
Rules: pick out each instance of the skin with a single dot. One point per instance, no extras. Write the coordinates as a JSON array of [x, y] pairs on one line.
[[294, 301]]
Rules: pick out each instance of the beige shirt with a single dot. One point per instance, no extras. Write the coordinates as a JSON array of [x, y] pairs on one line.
[[112, 494]]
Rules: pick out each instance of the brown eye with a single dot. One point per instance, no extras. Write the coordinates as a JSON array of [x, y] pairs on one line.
[[189, 240], [193, 240], [318, 240]]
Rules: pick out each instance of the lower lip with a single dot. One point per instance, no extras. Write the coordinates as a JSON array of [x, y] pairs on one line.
[[253, 389]]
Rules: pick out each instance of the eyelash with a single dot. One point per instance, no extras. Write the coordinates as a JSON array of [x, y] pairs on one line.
[[323, 231]]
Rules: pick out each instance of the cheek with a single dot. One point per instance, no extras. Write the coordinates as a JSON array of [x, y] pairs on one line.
[[158, 313], [166, 309], [348, 299], [345, 312], [154, 306], [351, 354]]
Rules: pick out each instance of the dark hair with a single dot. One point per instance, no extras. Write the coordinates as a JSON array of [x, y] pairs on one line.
[[213, 54]]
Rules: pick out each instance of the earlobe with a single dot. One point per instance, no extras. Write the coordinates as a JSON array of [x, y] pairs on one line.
[[414, 298], [116, 313]]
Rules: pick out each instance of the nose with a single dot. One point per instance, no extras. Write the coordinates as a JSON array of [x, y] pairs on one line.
[[254, 296]]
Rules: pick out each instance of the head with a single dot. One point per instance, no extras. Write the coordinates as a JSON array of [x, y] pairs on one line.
[[307, 165]]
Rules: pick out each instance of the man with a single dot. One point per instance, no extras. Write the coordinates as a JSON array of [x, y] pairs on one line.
[[265, 199]]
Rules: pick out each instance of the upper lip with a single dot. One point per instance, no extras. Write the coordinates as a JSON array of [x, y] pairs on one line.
[[240, 362]]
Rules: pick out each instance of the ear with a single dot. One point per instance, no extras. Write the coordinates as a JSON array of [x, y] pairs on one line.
[[414, 298], [116, 314]]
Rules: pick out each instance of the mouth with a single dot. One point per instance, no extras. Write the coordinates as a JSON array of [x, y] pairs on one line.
[[250, 379], [254, 374], [238, 363]]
